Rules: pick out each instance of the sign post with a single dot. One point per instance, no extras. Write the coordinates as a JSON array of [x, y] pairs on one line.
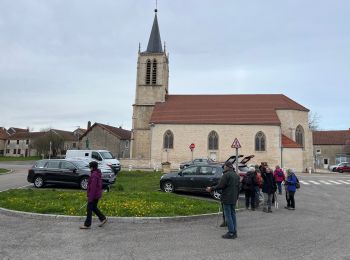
[[236, 145], [192, 146]]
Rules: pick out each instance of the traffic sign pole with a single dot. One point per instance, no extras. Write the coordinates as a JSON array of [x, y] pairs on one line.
[[236, 145]]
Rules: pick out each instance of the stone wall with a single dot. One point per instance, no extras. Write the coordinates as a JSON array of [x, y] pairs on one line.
[[184, 135]]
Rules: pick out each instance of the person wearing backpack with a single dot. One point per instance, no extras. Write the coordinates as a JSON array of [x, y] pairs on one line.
[[291, 187], [268, 188], [249, 183], [279, 178]]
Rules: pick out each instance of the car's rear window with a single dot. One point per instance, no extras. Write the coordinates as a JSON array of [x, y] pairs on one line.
[[40, 164]]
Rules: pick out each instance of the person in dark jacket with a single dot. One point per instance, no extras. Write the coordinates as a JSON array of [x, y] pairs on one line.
[[268, 188], [290, 183], [249, 186], [229, 184], [94, 193]]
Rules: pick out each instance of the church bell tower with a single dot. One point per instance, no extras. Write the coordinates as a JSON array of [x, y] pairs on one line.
[[151, 87]]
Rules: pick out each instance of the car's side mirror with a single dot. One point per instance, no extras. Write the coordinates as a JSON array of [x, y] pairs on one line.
[[74, 170], [180, 173]]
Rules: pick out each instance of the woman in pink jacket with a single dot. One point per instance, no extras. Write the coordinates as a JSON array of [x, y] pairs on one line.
[[94, 193], [279, 176]]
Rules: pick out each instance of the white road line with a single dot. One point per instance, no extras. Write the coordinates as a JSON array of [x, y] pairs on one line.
[[335, 182], [324, 182], [314, 182], [344, 182], [304, 182]]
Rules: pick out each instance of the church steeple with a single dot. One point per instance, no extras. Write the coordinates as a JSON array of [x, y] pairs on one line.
[[154, 42]]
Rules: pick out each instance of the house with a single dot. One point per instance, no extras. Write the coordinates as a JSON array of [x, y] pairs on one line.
[[3, 140], [331, 147], [105, 137], [273, 127]]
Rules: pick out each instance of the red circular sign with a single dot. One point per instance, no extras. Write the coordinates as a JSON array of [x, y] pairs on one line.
[[192, 146]]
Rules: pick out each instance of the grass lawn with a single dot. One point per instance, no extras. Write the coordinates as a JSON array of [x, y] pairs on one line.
[[9, 158], [134, 194], [4, 171]]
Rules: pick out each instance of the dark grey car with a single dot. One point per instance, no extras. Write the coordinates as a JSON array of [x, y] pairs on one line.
[[65, 171], [194, 178]]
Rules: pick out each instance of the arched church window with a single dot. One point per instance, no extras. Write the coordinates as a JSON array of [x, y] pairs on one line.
[[213, 141], [168, 140], [260, 141], [154, 72], [148, 72], [299, 135]]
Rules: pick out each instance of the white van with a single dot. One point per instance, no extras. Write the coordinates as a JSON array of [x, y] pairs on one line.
[[98, 155]]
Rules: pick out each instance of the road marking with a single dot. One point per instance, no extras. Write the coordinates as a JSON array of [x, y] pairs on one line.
[[343, 182], [314, 182], [335, 182], [304, 182], [324, 182]]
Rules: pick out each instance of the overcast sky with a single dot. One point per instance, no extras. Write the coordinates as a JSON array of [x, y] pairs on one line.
[[63, 63]]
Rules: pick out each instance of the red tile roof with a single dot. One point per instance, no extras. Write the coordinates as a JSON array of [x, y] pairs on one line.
[[3, 134], [223, 109], [121, 133], [289, 143], [340, 137]]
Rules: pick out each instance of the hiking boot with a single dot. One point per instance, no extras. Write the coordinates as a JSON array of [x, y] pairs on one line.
[[286, 207], [253, 209], [223, 224], [265, 210], [229, 236], [291, 208], [269, 211], [84, 227], [103, 222]]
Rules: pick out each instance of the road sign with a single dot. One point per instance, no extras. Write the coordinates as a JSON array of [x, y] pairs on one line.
[[192, 146], [236, 144]]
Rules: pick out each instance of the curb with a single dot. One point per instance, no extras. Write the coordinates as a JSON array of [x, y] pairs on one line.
[[134, 220]]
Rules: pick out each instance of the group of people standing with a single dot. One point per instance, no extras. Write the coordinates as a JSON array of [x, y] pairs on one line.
[[258, 177]]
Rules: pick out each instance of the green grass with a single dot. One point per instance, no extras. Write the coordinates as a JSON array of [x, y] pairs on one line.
[[4, 171], [134, 194], [9, 158]]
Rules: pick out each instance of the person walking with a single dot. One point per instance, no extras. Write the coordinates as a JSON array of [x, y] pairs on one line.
[[229, 184], [268, 188], [291, 188], [249, 186], [279, 178], [94, 193]]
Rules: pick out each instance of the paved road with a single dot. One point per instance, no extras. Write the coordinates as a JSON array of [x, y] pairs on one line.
[[318, 229], [18, 178]]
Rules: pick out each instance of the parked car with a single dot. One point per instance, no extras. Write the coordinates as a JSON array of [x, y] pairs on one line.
[[197, 161], [345, 167], [333, 168], [194, 178], [66, 171], [97, 155]]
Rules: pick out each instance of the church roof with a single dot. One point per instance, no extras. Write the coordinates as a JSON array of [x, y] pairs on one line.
[[154, 42], [258, 109], [289, 143], [340, 137]]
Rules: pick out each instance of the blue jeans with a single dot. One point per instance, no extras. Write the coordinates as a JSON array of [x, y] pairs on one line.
[[230, 216], [279, 186]]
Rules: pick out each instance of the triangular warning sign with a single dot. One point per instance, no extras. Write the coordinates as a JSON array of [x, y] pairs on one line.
[[236, 144]]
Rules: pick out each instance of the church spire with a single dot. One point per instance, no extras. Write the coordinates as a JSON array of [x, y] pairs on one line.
[[154, 42]]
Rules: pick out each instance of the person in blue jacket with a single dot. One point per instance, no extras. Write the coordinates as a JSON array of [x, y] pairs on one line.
[[290, 183]]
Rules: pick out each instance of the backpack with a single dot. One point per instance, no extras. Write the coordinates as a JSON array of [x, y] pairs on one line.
[[297, 184], [259, 180], [247, 181], [280, 173]]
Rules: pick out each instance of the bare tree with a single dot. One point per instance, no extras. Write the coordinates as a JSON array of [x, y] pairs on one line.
[[42, 143], [314, 121]]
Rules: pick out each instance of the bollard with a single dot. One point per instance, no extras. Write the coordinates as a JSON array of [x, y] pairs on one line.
[[130, 167]]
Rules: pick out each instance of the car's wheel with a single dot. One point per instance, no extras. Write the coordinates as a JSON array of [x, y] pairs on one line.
[[38, 181], [216, 195], [340, 170], [168, 186], [334, 169], [84, 183]]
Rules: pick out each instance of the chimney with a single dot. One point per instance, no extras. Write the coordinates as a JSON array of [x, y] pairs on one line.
[[89, 124]]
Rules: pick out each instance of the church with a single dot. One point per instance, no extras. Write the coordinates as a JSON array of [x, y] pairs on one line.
[[272, 127]]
